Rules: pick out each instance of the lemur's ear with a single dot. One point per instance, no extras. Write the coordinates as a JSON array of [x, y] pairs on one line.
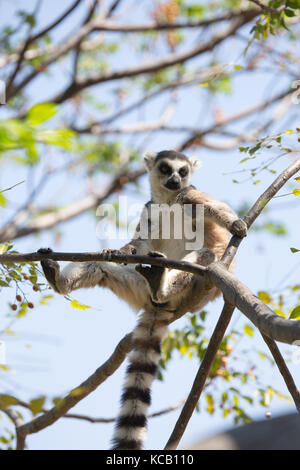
[[195, 163], [149, 159]]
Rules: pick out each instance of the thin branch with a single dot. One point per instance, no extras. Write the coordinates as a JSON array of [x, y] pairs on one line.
[[258, 207], [154, 66], [104, 25], [199, 382], [70, 211], [203, 75], [78, 393], [273, 11], [11, 187], [14, 417], [287, 376], [112, 420], [235, 117]]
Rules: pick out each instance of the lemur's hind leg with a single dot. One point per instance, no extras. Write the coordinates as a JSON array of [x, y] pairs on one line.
[[121, 279], [165, 283]]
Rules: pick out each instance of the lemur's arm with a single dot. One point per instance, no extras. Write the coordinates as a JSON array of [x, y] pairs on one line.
[[214, 210]]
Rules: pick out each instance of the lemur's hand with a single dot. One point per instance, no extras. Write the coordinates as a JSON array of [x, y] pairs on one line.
[[50, 267], [185, 196], [127, 249], [239, 228]]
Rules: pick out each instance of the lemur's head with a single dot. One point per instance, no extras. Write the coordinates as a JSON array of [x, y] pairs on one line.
[[169, 171]]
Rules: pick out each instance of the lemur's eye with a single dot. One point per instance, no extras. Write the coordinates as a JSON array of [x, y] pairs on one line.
[[183, 172], [164, 169]]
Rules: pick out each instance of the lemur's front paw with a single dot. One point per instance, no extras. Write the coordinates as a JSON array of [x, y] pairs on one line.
[[107, 252], [128, 249], [152, 274], [239, 228]]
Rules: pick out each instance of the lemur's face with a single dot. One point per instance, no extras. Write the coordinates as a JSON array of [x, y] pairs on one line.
[[169, 171], [173, 174]]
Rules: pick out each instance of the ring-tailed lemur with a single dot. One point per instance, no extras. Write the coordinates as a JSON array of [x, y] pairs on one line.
[[157, 291]]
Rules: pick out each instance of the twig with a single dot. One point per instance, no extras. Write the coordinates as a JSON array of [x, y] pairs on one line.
[[74, 209], [11, 187], [112, 420], [273, 11], [14, 417], [258, 207], [287, 376]]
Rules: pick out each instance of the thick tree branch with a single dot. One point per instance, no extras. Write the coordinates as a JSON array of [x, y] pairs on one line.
[[280, 329]]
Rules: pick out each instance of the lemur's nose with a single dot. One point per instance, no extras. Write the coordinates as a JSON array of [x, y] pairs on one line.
[[174, 179], [173, 182]]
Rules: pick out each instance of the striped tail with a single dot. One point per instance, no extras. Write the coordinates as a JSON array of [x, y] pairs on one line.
[[131, 426]]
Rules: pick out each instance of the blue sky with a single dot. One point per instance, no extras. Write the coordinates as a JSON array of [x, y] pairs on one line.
[[67, 345]]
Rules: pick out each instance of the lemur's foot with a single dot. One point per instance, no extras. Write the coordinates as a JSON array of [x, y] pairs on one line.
[[153, 274], [50, 267]]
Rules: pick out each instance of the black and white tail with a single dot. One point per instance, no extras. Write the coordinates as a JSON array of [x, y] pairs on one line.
[[131, 426]]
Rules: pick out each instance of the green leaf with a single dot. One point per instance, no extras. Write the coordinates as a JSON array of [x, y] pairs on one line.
[[2, 200], [63, 138], [36, 405], [295, 4], [264, 296], [3, 248], [289, 13], [295, 314], [294, 250], [7, 400], [76, 304], [40, 113], [248, 330]]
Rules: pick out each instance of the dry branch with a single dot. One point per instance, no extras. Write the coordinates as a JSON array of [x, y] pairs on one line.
[[77, 394]]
